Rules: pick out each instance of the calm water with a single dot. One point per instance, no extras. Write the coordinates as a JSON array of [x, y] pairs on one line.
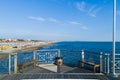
[[105, 47]]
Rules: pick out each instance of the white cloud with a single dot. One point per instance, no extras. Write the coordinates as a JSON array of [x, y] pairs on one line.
[[118, 12], [89, 10], [92, 15], [77, 23], [56, 21], [81, 6], [84, 28], [52, 20], [43, 19], [93, 11], [74, 23], [37, 18]]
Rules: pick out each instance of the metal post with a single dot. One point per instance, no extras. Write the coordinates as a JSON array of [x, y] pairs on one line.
[[59, 53], [15, 63], [101, 62], [108, 67], [34, 55], [114, 37], [105, 66], [37, 56], [82, 58], [9, 67]]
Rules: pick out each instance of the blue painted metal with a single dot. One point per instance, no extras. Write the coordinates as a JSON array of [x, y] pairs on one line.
[[3, 65], [25, 57], [108, 67], [46, 56]]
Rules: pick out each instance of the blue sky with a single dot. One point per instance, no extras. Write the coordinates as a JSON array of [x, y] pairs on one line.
[[64, 20]]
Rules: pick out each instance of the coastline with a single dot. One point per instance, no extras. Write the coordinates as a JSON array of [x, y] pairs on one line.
[[27, 49]]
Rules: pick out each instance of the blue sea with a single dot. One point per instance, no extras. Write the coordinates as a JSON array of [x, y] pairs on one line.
[[105, 47]]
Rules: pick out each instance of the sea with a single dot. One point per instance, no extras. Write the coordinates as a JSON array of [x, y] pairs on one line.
[[105, 47]]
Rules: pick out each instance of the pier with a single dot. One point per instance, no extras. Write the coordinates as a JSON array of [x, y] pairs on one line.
[[46, 67]]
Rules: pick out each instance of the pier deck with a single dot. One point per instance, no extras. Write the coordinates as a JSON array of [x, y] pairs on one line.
[[63, 72]]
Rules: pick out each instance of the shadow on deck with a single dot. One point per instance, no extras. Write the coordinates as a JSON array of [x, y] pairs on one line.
[[56, 72]]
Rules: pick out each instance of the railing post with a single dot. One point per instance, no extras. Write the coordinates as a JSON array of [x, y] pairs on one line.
[[15, 63], [105, 67], [34, 55], [9, 64], [101, 62], [108, 65], [59, 53], [82, 58]]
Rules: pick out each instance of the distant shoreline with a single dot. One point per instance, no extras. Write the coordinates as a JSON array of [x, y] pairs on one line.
[[31, 48]]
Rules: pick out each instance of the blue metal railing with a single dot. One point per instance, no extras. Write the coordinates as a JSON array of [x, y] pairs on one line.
[[46, 56], [107, 64], [25, 57], [3, 65]]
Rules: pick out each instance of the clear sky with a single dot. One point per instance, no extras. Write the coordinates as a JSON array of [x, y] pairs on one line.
[[66, 20]]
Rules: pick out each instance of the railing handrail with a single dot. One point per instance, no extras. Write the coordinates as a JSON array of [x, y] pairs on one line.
[[47, 50], [107, 54], [92, 52], [117, 54], [71, 50]]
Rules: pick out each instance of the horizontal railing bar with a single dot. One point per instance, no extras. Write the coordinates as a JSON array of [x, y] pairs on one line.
[[98, 53], [117, 58], [111, 54], [117, 54], [60, 50], [71, 50], [47, 50], [107, 54], [25, 52]]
